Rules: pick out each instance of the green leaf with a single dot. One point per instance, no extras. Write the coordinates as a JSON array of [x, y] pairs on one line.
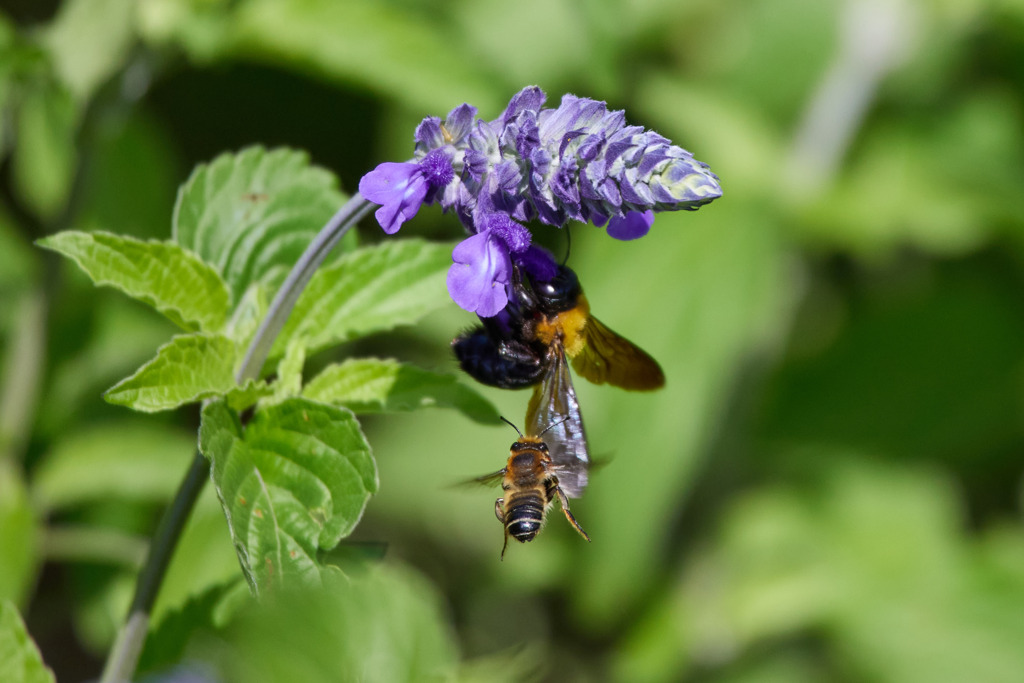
[[371, 289], [383, 625], [162, 274], [187, 369], [20, 661], [131, 460], [374, 385], [294, 482], [411, 59], [18, 536], [89, 40], [252, 214], [44, 155], [289, 371]]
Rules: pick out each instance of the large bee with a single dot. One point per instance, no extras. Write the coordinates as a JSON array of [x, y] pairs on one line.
[[515, 348], [545, 325]]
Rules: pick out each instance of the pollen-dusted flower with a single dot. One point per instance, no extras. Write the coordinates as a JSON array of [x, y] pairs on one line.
[[577, 162], [401, 188]]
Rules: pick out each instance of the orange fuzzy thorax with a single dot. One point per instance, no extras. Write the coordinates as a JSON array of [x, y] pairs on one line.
[[568, 325]]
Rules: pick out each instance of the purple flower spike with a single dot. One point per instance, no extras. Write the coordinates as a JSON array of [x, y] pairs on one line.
[[480, 274], [631, 226], [400, 190]]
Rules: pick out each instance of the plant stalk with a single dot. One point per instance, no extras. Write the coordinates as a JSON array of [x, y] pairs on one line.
[[124, 657]]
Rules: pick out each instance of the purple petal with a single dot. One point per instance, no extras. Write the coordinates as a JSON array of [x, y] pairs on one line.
[[428, 133], [477, 279], [631, 226], [400, 190], [459, 122], [530, 98]]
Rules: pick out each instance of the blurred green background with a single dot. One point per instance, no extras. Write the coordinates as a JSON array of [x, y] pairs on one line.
[[827, 489]]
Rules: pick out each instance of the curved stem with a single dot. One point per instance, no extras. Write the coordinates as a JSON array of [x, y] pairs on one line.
[[124, 656], [347, 216]]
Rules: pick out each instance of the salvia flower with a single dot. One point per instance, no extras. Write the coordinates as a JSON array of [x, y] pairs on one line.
[[578, 162]]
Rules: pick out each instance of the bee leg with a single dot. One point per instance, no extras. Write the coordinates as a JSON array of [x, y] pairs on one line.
[[568, 515], [505, 544], [499, 512]]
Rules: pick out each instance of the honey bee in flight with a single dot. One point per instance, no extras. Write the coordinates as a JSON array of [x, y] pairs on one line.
[[531, 482]]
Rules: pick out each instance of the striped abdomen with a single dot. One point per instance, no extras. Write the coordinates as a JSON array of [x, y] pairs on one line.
[[524, 514]]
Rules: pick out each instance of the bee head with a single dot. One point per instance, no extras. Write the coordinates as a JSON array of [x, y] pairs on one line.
[[560, 293]]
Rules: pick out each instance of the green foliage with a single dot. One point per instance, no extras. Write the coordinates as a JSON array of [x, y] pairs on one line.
[[373, 289], [373, 385], [294, 482], [44, 158], [828, 487], [382, 625], [19, 657], [18, 537], [162, 274], [250, 215], [127, 459], [187, 369]]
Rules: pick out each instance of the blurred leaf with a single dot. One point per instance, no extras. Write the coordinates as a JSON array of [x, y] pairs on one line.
[[702, 293], [922, 370], [874, 555], [94, 545], [133, 177], [373, 385], [20, 661], [382, 626], [372, 289], [18, 263], [294, 482], [166, 642], [252, 214], [403, 52], [126, 459], [43, 163], [187, 369], [162, 274], [18, 537], [89, 40]]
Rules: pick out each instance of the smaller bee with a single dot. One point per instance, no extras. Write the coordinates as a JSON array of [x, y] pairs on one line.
[[530, 483]]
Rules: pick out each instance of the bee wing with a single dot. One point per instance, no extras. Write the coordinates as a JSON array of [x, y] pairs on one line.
[[608, 358], [554, 415], [485, 480]]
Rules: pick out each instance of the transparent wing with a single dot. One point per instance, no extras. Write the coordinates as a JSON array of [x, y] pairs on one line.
[[608, 358], [486, 479], [554, 415]]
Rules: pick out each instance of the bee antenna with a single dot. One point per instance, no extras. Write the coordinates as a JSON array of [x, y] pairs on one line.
[[568, 244], [512, 426], [550, 426]]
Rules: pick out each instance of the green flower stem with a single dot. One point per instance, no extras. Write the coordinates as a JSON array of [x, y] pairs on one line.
[[283, 303], [124, 656]]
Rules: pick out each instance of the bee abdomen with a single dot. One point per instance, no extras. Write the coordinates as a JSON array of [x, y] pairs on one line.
[[524, 517]]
